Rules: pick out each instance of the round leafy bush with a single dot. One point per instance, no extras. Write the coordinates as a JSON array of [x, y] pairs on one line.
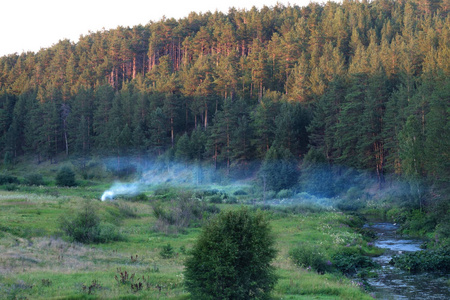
[[5, 179], [66, 177], [232, 258], [309, 256], [240, 193], [286, 193], [86, 227], [34, 179], [215, 199], [350, 264]]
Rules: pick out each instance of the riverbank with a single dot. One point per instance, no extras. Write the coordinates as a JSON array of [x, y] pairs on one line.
[[392, 282]]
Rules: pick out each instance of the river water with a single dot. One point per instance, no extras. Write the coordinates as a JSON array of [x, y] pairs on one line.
[[393, 283]]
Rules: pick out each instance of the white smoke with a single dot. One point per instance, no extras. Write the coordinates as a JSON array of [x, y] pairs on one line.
[[121, 189]]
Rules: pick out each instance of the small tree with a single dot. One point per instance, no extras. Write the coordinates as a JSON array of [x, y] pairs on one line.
[[231, 259], [65, 177], [84, 227]]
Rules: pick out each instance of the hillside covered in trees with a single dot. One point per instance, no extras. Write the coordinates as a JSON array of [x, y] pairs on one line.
[[361, 85]]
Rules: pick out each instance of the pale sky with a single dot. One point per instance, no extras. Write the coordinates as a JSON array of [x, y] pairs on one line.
[[29, 25]]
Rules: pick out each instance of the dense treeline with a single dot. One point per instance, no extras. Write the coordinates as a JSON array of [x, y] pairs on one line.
[[359, 84]]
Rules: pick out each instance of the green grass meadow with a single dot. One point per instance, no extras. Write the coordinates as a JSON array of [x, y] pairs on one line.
[[38, 262]]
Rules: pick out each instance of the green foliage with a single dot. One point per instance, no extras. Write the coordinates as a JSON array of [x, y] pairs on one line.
[[167, 251], [284, 194], [279, 169], [66, 177], [34, 179], [181, 213], [232, 258], [316, 174], [8, 179], [423, 261], [86, 227], [215, 199], [309, 256], [353, 263]]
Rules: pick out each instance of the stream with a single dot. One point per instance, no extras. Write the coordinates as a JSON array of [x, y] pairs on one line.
[[393, 283]]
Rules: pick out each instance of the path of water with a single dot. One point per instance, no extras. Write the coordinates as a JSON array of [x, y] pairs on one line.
[[393, 283]]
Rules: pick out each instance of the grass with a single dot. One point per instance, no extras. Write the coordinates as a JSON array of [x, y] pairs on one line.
[[38, 262]]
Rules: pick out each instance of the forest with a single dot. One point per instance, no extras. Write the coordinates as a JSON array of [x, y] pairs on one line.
[[276, 153], [308, 98]]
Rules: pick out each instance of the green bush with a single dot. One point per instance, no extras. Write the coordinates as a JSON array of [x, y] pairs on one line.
[[232, 258], [422, 261], [309, 256], [240, 193], [8, 179], [10, 187], [231, 200], [141, 197], [167, 251], [284, 194], [86, 227], [215, 199], [182, 213], [66, 177], [351, 264], [34, 179]]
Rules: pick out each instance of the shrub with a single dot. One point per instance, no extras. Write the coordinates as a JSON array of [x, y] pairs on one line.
[[86, 227], [34, 179], [167, 251], [231, 200], [284, 194], [65, 177], [8, 179], [215, 199], [351, 264], [141, 197], [421, 261], [240, 193], [182, 213], [232, 258], [309, 256]]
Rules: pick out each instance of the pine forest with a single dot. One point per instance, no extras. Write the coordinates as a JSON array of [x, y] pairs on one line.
[[331, 91]]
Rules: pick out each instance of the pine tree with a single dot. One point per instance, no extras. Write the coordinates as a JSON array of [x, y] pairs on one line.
[[279, 169]]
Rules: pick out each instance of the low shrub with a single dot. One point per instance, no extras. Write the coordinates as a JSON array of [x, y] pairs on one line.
[[351, 204], [182, 213], [125, 210], [138, 198], [421, 261], [231, 200], [352, 264], [34, 179], [284, 194], [10, 187], [310, 257], [66, 177], [165, 193], [240, 193], [167, 251], [215, 199], [86, 227], [8, 179]]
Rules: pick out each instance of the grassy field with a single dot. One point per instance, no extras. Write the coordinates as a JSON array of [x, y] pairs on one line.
[[37, 261]]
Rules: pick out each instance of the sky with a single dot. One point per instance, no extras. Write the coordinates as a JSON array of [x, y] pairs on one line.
[[29, 25]]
